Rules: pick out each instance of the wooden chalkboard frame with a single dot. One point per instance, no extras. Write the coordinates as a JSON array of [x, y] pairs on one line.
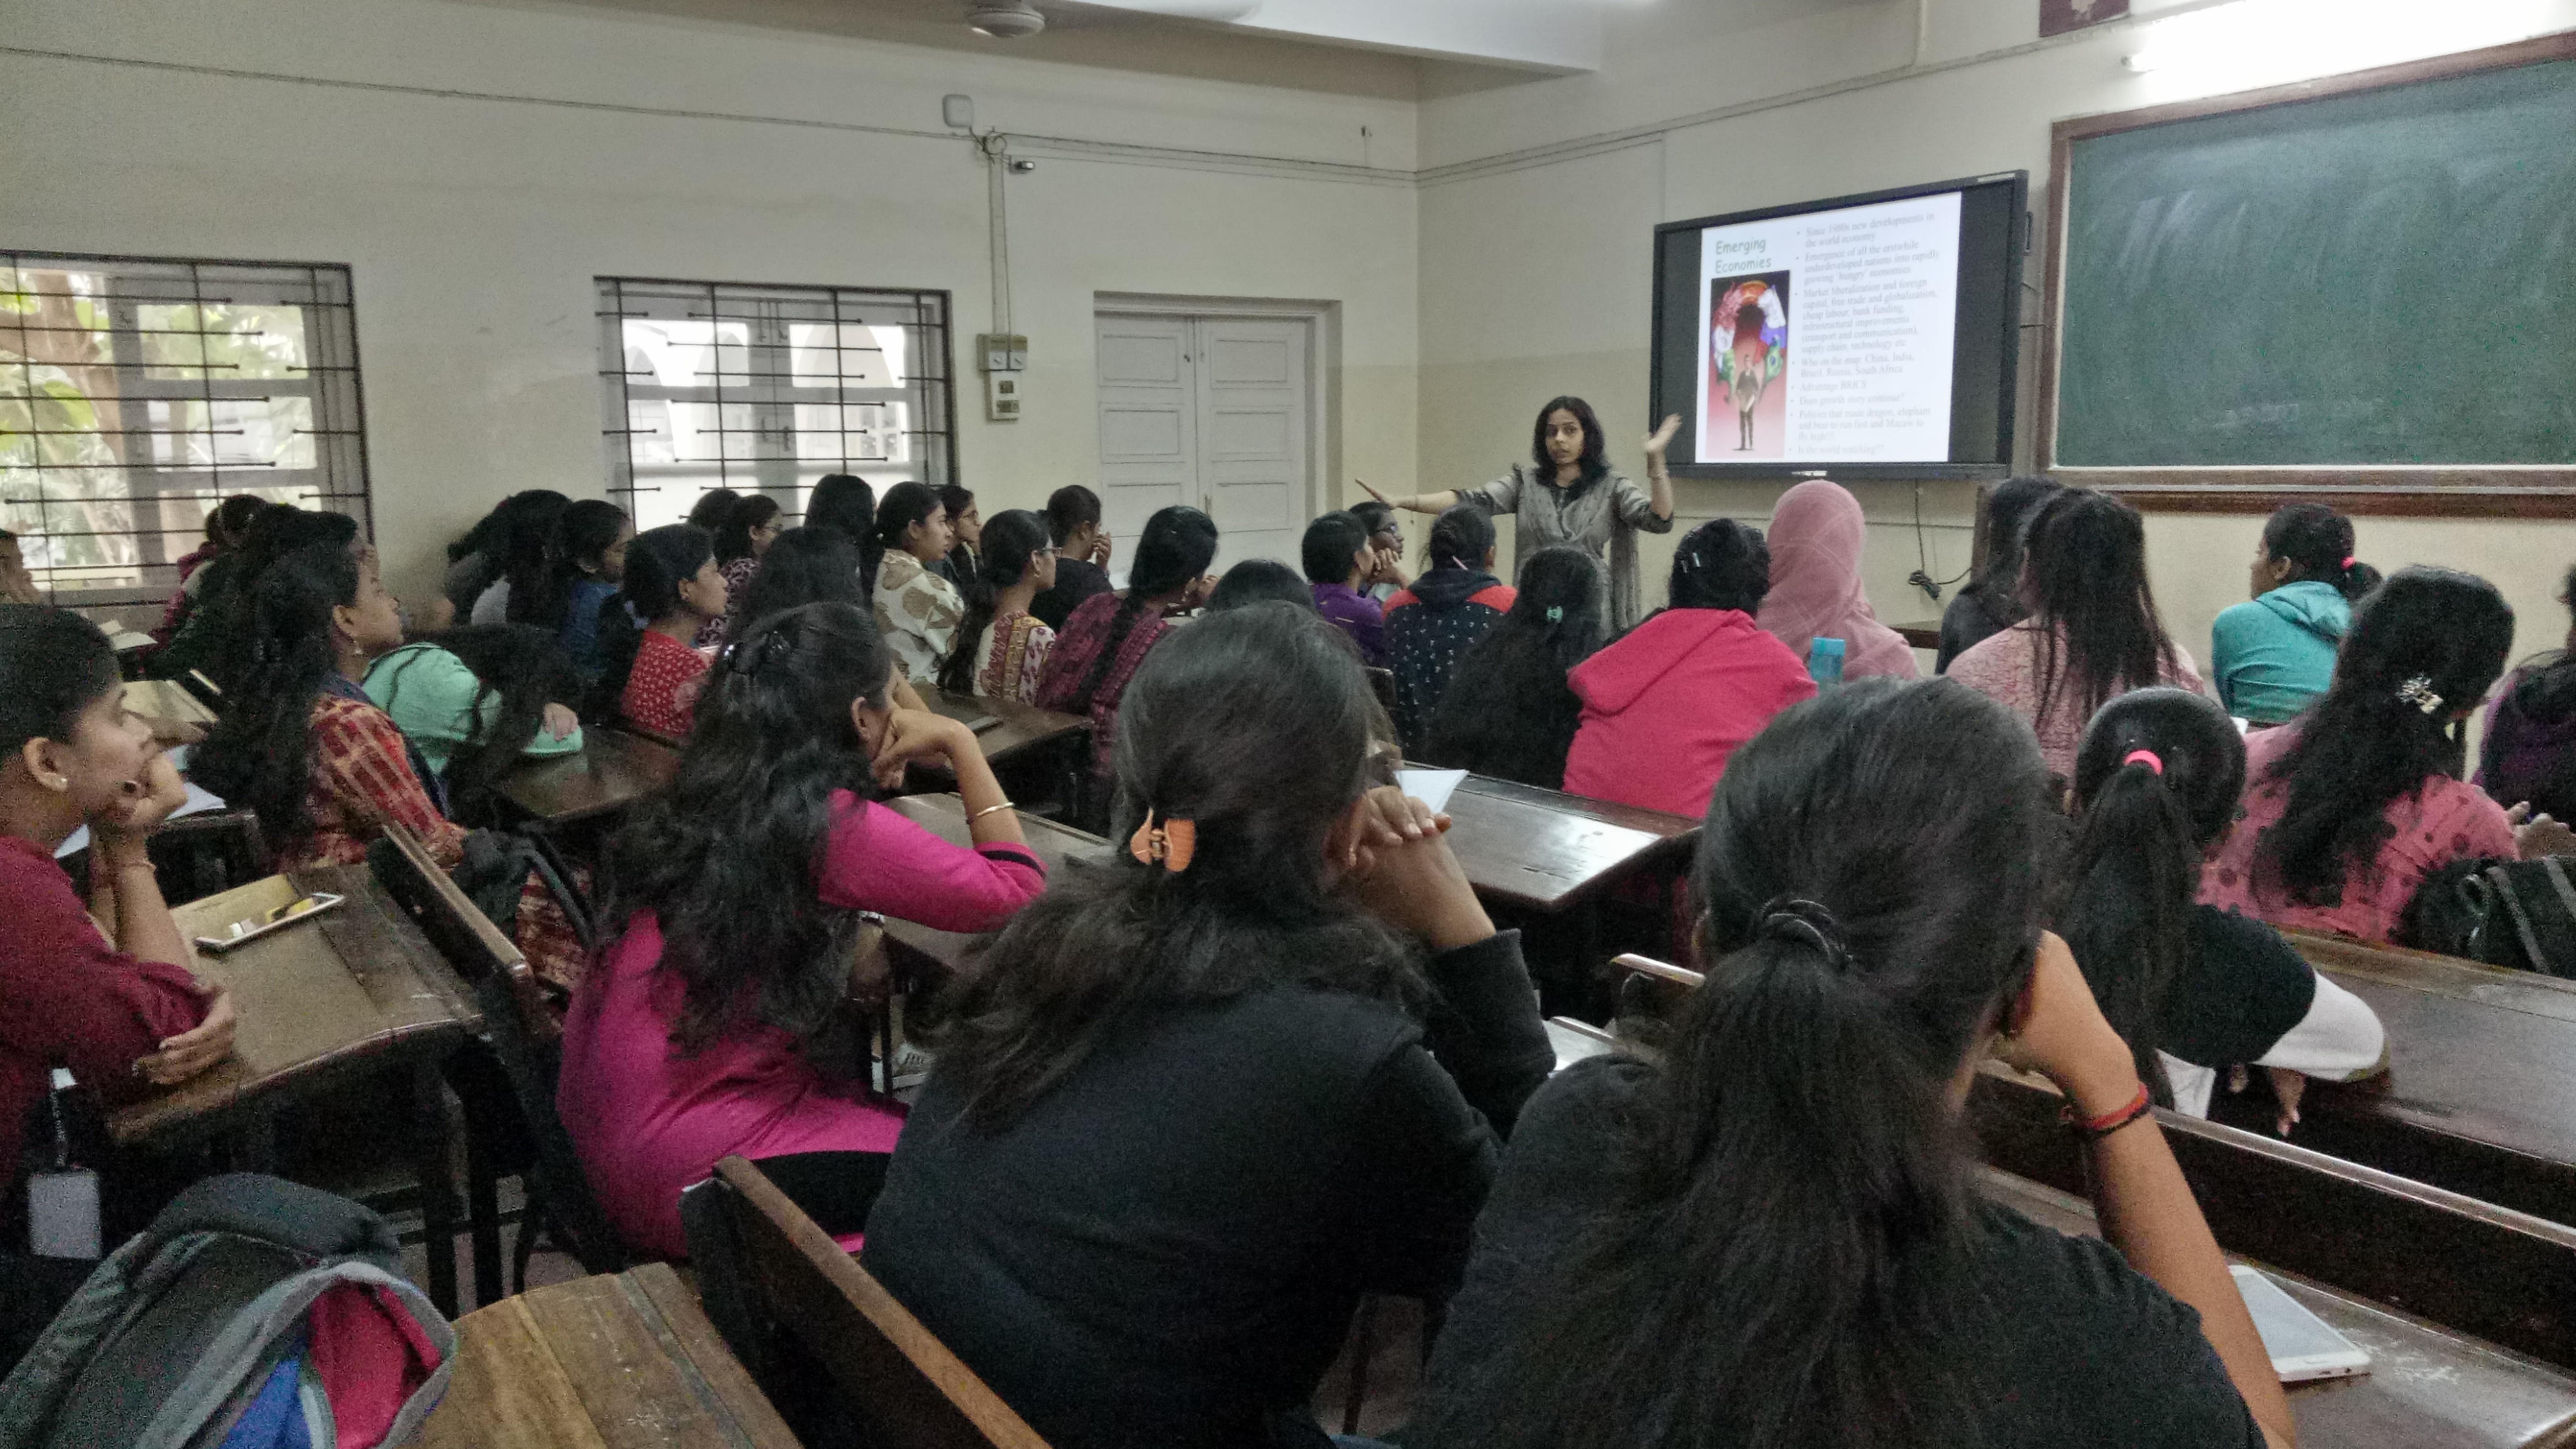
[[2491, 491]]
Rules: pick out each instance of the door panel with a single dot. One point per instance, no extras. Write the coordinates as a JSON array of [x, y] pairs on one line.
[[1149, 423], [1252, 410]]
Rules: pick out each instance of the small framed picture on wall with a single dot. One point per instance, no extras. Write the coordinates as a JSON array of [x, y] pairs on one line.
[[2056, 17]]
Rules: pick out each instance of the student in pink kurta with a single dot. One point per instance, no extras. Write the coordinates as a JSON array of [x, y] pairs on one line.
[[704, 1030], [2351, 806], [1816, 536], [2093, 632]]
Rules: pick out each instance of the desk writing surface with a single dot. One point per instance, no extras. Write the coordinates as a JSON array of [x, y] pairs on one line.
[[2427, 1388], [945, 817], [1548, 851], [1023, 727], [352, 982], [612, 770]]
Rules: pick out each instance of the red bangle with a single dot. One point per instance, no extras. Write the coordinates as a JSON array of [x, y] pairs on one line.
[[2094, 1129]]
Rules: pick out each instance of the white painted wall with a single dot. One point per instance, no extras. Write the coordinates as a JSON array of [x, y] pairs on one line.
[[1535, 266], [475, 224]]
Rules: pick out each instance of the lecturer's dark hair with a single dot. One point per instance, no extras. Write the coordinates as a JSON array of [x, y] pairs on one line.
[[2086, 583], [1787, 1234], [1722, 564], [1256, 725], [2317, 543], [2365, 743], [725, 856], [2157, 779], [1012, 539], [260, 751], [1594, 465], [54, 664]]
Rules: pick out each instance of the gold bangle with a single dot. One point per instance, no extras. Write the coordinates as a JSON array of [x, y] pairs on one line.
[[989, 809]]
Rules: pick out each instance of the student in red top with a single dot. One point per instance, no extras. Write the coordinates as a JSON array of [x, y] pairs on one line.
[[673, 587], [1664, 705], [106, 996]]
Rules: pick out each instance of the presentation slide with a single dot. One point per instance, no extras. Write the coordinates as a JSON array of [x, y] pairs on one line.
[[1828, 336]]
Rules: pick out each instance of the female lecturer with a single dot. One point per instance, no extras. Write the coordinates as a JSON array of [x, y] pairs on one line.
[[1567, 494]]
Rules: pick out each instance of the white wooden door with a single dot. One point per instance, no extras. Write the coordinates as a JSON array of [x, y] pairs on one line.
[[1213, 412]]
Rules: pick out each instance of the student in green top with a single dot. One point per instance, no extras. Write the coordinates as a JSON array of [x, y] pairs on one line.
[[2272, 656], [475, 701]]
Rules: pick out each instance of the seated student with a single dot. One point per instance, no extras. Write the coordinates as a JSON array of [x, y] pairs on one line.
[[710, 510], [2351, 805], [2273, 655], [1001, 647], [2192, 989], [209, 642], [917, 611], [1774, 1235], [1386, 577], [226, 526], [1081, 555], [1991, 602], [846, 502], [1816, 535], [1122, 1272], [813, 565], [477, 560], [749, 528], [522, 590], [2529, 754], [1337, 558], [1260, 581], [1509, 711], [1099, 649], [2093, 630], [706, 1029], [653, 674], [1441, 615], [476, 701], [1665, 704], [105, 990], [591, 539], [963, 565]]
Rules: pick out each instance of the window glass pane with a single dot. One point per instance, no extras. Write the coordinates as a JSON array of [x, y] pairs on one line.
[[222, 340]]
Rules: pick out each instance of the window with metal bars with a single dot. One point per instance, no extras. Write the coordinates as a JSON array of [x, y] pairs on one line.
[[137, 393], [766, 389]]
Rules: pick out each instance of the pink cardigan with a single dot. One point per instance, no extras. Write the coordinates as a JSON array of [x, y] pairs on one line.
[[1665, 705], [649, 1120]]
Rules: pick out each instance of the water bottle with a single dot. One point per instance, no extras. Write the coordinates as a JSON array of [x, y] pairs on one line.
[[1825, 662]]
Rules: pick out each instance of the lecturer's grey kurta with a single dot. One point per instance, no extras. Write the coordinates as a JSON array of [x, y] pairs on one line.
[[1603, 521]]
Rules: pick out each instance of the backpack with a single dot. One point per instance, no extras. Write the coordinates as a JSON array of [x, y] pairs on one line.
[[496, 866], [2519, 914], [252, 1314]]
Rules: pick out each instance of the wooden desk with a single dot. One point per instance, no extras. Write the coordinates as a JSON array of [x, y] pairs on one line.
[[2480, 1096], [613, 770], [1925, 635], [1547, 851], [945, 816], [621, 1361], [2427, 1388], [1024, 730], [355, 991]]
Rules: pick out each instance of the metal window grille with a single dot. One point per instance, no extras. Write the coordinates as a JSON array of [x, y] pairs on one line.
[[135, 394], [767, 389]]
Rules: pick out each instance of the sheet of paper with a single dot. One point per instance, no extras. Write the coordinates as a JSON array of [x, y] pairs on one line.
[[1431, 787]]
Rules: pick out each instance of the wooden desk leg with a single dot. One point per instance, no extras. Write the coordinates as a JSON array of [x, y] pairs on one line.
[[483, 1217], [431, 1136]]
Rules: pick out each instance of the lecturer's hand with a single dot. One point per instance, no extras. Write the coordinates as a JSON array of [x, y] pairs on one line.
[[1373, 493], [1662, 437]]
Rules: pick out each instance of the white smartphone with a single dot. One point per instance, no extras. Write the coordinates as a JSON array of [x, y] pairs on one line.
[[2302, 1345], [242, 933]]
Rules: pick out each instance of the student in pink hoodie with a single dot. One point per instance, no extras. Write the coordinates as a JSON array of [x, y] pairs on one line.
[[1666, 704]]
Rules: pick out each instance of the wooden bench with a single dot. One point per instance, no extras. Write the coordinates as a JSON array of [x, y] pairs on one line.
[[626, 1361], [785, 1282]]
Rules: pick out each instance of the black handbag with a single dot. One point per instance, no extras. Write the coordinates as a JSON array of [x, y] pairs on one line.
[[2514, 913]]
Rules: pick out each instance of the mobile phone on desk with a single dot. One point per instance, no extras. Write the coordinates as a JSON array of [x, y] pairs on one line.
[[241, 933], [2302, 1345], [982, 722]]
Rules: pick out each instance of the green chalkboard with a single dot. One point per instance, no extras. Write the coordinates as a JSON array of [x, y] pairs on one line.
[[2381, 277]]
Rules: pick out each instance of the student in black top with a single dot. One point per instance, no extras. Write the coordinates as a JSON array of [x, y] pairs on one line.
[[1508, 711], [1437, 618], [1773, 1236], [1991, 603], [1260, 581], [2191, 988], [964, 563], [1081, 555], [846, 501], [1196, 1100]]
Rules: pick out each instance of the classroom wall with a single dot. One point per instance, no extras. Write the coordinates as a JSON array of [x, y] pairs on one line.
[[1540, 201], [475, 224]]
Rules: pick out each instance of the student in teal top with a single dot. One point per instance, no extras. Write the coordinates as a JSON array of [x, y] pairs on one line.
[[477, 700], [2269, 658]]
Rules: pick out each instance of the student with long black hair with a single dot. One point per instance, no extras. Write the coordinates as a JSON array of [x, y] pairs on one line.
[[2529, 753], [522, 590], [654, 675], [714, 1023], [591, 540], [2271, 656], [1773, 1236], [480, 557], [1991, 602], [2093, 631], [748, 532], [2349, 807], [1192, 1103], [846, 501], [2192, 989], [1002, 648], [1437, 618], [917, 610], [964, 562], [1100, 648], [1509, 711], [211, 641]]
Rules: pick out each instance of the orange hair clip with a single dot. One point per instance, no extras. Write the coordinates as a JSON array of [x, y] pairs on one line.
[[1172, 843]]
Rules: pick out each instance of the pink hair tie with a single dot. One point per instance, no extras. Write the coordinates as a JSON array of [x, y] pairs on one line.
[[2349, 561], [2148, 758]]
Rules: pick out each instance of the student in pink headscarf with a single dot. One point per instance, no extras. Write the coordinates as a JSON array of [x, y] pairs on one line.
[[1816, 533]]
